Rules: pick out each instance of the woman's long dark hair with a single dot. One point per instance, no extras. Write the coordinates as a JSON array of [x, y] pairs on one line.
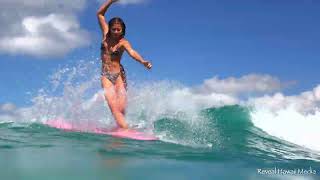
[[116, 20]]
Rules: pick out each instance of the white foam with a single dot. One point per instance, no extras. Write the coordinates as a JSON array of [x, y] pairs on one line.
[[290, 125], [295, 118]]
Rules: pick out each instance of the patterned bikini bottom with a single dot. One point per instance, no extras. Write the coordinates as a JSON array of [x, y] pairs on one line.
[[112, 77]]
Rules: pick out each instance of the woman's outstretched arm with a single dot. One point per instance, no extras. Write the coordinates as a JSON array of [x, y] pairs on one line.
[[100, 14], [135, 55]]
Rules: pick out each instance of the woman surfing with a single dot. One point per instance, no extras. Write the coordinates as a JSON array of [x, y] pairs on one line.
[[113, 76]]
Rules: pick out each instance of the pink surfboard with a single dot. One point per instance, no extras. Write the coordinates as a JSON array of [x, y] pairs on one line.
[[119, 133]]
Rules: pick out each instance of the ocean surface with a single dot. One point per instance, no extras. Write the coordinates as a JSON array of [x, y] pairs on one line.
[[201, 136]]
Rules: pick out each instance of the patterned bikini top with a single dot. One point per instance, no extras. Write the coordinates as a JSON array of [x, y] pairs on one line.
[[116, 53]]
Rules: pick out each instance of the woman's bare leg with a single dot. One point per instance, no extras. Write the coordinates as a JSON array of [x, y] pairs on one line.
[[113, 102], [121, 95]]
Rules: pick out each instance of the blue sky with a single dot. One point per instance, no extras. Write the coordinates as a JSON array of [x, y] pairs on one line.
[[187, 41]]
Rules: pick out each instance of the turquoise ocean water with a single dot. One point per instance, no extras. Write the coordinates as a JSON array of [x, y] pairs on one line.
[[198, 140]]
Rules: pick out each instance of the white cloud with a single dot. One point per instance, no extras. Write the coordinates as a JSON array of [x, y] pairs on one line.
[[53, 35], [185, 99], [7, 107], [252, 83], [8, 112], [44, 28], [41, 28], [308, 101], [43, 5]]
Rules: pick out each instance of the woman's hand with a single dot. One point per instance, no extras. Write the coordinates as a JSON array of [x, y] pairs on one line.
[[147, 64], [113, 1]]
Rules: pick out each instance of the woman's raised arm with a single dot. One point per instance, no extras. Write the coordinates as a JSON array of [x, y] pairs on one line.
[[100, 14]]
